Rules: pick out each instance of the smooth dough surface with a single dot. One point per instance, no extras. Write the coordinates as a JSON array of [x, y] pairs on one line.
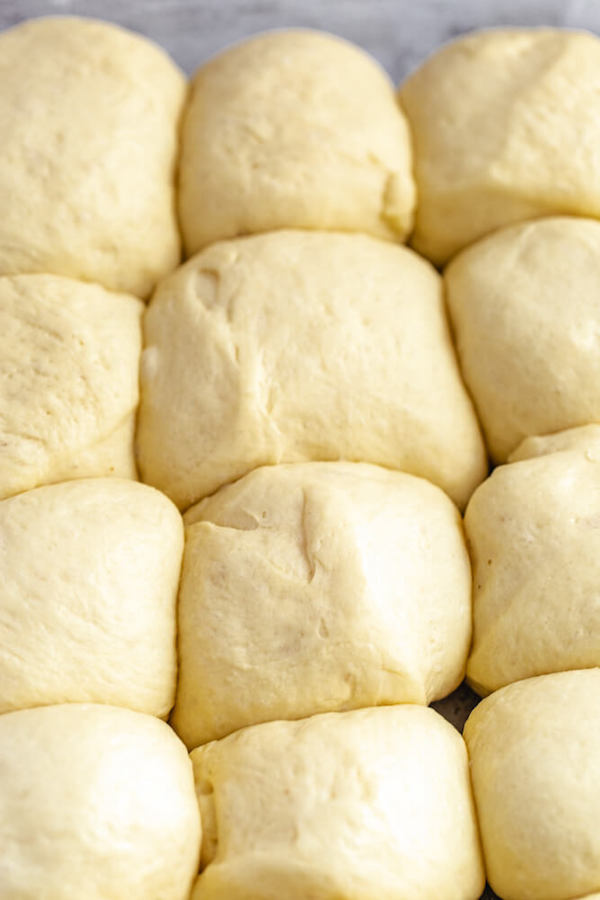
[[525, 307], [89, 122], [293, 129], [505, 128], [318, 587], [69, 360], [97, 802], [88, 584], [297, 346], [371, 804], [535, 764], [534, 532], [585, 439]]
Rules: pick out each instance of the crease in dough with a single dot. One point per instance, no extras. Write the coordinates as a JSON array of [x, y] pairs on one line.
[[313, 346], [485, 112], [340, 162], [318, 586]]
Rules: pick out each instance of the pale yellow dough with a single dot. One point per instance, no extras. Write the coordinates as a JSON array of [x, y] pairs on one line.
[[585, 439], [505, 128], [525, 306], [298, 346], [319, 587], [533, 529], [89, 121], [535, 763], [370, 805], [97, 803], [69, 359], [293, 129], [88, 583]]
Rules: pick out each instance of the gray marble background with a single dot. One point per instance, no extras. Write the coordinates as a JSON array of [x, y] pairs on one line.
[[400, 33]]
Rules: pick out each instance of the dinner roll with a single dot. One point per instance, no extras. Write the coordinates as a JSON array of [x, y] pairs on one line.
[[362, 804], [97, 802], [525, 306], [506, 127], [89, 118], [533, 529], [317, 587], [69, 357], [535, 763], [294, 129], [297, 346], [585, 438], [88, 583]]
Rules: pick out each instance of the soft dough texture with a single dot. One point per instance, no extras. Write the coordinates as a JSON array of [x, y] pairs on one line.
[[88, 584], [585, 439], [69, 359], [525, 306], [505, 128], [535, 764], [89, 117], [294, 129], [366, 804], [534, 533], [97, 802], [298, 346], [319, 587]]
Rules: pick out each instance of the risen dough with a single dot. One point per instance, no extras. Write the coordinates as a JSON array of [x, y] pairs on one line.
[[69, 358], [97, 803], [88, 582], [535, 545], [297, 346], [294, 129], [318, 587], [366, 804], [505, 128], [586, 439], [525, 306], [88, 117], [535, 764]]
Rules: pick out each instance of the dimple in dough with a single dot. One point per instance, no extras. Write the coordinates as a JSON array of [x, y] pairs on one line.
[[297, 346], [88, 583], [535, 762], [69, 360], [89, 117], [373, 803], [293, 129], [316, 587], [525, 308], [534, 532], [505, 128], [97, 802]]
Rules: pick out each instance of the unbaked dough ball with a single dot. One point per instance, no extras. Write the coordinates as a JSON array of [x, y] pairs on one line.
[[297, 346], [88, 583], [535, 763], [97, 802], [89, 119], [525, 306], [363, 804], [585, 439], [505, 128], [294, 129], [533, 529], [69, 359], [319, 587]]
